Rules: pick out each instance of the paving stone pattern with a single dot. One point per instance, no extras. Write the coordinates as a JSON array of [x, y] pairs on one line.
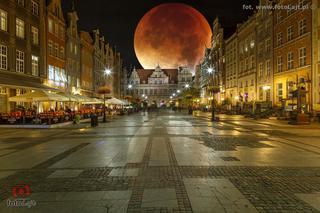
[[152, 163]]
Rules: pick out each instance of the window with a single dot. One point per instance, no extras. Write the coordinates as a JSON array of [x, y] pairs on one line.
[[302, 3], [51, 72], [252, 62], [260, 70], [34, 8], [3, 20], [290, 11], [20, 3], [3, 90], [35, 35], [19, 61], [279, 38], [3, 57], [302, 27], [289, 33], [62, 52], [268, 45], [50, 47], [279, 64], [50, 26], [268, 67], [260, 93], [302, 56], [279, 91], [56, 50], [19, 28], [290, 60], [35, 65], [56, 29]]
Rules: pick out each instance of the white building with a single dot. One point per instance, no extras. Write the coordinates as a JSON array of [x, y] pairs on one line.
[[158, 84]]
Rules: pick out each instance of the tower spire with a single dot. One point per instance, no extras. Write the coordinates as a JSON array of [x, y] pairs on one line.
[[73, 5]]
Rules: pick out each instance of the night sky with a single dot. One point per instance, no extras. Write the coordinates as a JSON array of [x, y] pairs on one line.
[[118, 19]]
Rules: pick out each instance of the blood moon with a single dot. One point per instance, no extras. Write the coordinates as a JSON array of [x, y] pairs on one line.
[[171, 35]]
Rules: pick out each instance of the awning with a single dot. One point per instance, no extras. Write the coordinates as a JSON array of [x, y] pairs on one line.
[[92, 101], [16, 80], [38, 96]]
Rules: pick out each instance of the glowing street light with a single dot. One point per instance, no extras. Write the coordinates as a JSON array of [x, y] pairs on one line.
[[210, 70], [187, 86], [107, 71], [129, 86], [174, 94], [178, 91]]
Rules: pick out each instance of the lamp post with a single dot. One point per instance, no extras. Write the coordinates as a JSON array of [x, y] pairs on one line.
[[211, 72], [105, 90]]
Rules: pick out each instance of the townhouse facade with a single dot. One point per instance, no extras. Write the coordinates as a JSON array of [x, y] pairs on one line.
[[22, 49]]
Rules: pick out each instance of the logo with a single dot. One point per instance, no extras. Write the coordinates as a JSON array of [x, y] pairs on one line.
[[21, 197], [21, 191]]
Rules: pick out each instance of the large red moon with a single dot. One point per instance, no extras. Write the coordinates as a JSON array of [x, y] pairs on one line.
[[171, 35]]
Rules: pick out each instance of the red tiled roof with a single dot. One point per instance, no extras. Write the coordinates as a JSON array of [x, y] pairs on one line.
[[144, 74]]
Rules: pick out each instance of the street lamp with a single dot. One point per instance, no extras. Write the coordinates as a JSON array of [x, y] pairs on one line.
[[107, 71], [174, 94], [129, 86], [210, 70], [187, 86], [178, 91]]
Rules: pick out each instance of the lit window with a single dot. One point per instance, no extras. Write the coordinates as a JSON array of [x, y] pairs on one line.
[[279, 63], [51, 72], [35, 35], [279, 91], [3, 20], [290, 60], [19, 28], [302, 56], [260, 70], [50, 26], [3, 57], [268, 67], [56, 29], [19, 61], [302, 27], [252, 44], [35, 65], [34, 8], [50, 47]]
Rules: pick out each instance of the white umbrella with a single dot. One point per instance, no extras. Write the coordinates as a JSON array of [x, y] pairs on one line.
[[38, 96], [114, 101]]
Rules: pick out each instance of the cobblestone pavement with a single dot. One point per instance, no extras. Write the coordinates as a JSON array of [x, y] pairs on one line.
[[163, 162]]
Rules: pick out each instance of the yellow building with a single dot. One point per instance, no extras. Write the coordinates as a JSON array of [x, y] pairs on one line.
[[316, 56], [292, 55]]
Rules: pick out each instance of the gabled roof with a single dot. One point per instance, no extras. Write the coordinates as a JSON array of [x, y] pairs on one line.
[[144, 74]]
